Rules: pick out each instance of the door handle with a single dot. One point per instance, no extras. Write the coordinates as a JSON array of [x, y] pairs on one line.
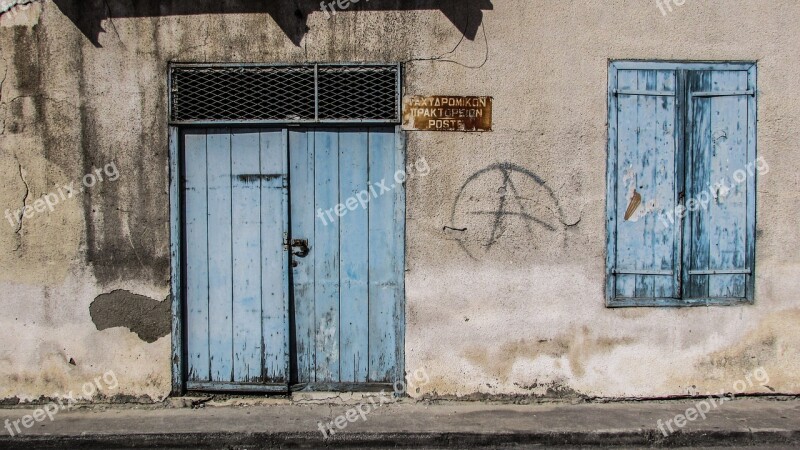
[[302, 245]]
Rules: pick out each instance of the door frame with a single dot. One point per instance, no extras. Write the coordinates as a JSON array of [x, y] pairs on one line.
[[179, 339]]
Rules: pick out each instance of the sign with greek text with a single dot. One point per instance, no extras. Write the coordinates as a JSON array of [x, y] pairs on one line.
[[445, 113]]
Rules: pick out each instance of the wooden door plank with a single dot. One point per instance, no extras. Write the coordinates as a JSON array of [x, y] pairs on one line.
[[274, 258], [354, 262], [220, 286], [326, 256], [196, 248], [246, 253], [301, 179]]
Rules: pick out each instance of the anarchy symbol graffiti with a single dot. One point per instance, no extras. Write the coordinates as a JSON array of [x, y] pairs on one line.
[[503, 201]]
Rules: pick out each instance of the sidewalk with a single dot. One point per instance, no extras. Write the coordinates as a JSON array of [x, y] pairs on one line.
[[740, 422]]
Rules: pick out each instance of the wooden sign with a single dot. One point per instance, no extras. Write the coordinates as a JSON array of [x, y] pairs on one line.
[[445, 113]]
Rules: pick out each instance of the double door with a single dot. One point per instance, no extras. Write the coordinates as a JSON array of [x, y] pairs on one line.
[[293, 258]]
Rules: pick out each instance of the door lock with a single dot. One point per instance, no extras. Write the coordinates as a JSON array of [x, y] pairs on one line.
[[302, 245]]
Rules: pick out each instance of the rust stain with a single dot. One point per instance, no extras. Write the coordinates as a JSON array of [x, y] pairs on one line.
[[445, 113], [636, 200]]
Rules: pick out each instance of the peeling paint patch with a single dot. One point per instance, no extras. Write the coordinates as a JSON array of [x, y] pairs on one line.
[[145, 316], [636, 200], [20, 12]]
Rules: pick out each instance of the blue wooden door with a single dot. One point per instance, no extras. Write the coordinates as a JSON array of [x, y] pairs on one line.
[[237, 292], [315, 302], [348, 287]]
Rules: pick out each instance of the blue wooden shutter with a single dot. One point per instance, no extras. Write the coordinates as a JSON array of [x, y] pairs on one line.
[[643, 250], [721, 176]]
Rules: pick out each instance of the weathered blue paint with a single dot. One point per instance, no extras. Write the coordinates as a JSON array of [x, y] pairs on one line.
[[220, 255], [645, 263], [274, 213], [384, 286], [243, 191], [176, 262], [399, 254], [301, 186], [326, 258], [196, 229], [667, 150], [348, 289], [236, 215], [719, 148], [354, 265], [246, 254]]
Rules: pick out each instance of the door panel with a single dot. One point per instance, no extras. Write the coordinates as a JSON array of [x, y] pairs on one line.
[[348, 288], [236, 209], [384, 257]]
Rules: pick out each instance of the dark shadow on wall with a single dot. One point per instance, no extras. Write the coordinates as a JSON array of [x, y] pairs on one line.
[[290, 15]]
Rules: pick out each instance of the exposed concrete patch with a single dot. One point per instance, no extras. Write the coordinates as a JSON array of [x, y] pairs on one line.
[[145, 316]]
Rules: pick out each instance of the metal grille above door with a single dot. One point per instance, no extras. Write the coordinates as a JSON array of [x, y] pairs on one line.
[[319, 93]]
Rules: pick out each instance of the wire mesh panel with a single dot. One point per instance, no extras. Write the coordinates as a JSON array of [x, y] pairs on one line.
[[299, 93], [364, 92]]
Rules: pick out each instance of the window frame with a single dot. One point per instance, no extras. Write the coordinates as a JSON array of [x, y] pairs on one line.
[[682, 180]]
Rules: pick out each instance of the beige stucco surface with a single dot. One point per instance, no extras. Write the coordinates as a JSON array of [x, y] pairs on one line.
[[499, 309]]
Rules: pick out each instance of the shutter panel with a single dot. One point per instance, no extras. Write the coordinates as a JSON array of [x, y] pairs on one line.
[[643, 232], [720, 185]]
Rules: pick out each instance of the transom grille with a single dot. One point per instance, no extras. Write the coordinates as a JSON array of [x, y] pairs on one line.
[[297, 94]]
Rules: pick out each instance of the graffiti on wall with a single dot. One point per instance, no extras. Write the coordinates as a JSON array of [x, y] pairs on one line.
[[503, 202]]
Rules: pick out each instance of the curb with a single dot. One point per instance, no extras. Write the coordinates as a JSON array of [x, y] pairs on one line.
[[650, 438]]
